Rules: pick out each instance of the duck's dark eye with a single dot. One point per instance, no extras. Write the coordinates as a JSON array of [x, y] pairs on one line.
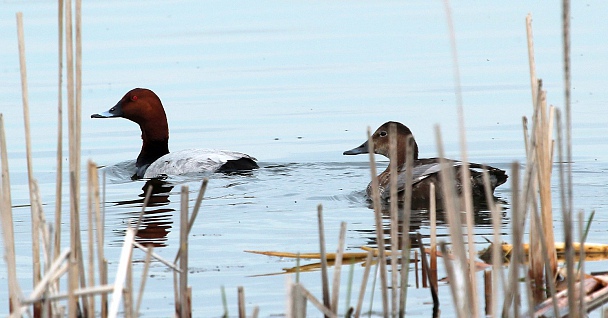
[[383, 134]]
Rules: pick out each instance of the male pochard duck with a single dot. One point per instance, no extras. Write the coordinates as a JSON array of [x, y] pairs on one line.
[[425, 171], [143, 107]]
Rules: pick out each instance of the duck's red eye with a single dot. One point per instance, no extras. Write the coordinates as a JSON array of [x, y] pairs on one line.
[[134, 97]]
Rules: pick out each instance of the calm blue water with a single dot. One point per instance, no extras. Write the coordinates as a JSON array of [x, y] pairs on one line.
[[294, 84]]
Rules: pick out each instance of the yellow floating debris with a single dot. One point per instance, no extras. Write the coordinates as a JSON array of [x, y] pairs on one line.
[[328, 256]]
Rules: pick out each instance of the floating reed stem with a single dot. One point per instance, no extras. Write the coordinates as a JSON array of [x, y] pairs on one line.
[[335, 292], [379, 229], [324, 278]]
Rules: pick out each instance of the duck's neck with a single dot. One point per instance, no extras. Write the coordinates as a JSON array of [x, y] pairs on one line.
[[155, 143], [402, 155]]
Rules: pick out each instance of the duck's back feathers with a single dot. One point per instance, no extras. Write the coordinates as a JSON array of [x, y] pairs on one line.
[[199, 161], [427, 171]]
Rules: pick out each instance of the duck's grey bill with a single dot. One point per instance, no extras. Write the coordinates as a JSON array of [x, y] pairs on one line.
[[103, 115], [357, 151]]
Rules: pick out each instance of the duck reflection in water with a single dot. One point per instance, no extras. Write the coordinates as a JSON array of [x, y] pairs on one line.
[[156, 223]]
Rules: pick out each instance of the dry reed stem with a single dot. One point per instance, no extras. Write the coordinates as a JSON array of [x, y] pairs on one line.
[[195, 210], [379, 229], [425, 269], [127, 292], [28, 151], [183, 246], [497, 273], [6, 213], [465, 172], [405, 237], [255, 312], [335, 292], [82, 292], [326, 311], [581, 270], [449, 267], [513, 289], [324, 278], [394, 216], [59, 162], [47, 279], [92, 170], [241, 300], [416, 269], [121, 273], [368, 264], [144, 277], [461, 281], [433, 247]]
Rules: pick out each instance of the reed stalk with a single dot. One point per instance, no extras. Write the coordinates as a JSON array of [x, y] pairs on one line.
[[379, 229], [28, 154], [433, 247], [394, 217], [405, 236], [144, 277], [461, 281], [92, 170], [59, 162], [241, 298], [324, 278], [6, 213], [368, 265], [183, 262], [121, 273], [335, 292], [313, 300]]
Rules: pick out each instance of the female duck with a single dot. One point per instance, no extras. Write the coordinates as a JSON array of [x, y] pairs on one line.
[[143, 107], [425, 171]]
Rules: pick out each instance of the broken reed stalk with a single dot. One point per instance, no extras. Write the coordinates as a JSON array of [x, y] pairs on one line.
[[394, 216], [28, 152], [335, 292], [183, 247], [379, 228], [433, 221], [324, 278], [195, 210], [368, 265], [513, 280], [313, 300], [405, 235], [59, 162], [581, 268], [460, 282], [6, 214]]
